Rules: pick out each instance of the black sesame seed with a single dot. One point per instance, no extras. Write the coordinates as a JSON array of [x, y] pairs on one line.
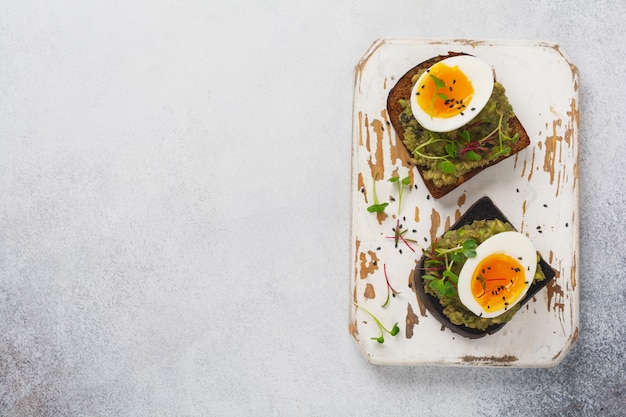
[[428, 197], [566, 224], [378, 248], [473, 109], [400, 250], [450, 88], [373, 262], [453, 81], [519, 258], [462, 114]]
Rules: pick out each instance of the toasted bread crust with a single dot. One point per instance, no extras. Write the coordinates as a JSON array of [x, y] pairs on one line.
[[483, 209], [402, 90]]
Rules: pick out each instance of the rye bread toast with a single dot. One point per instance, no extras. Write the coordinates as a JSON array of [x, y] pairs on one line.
[[402, 90], [483, 209]]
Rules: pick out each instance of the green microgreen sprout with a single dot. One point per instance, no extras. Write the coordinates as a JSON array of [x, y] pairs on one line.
[[438, 266], [390, 289], [438, 85], [401, 183], [377, 207], [502, 136], [445, 165], [381, 339], [398, 235]]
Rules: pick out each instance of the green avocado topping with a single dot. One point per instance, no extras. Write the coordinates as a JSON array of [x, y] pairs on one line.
[[476, 232], [447, 156]]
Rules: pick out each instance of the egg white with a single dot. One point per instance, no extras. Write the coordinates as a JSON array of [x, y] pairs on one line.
[[513, 244], [481, 77]]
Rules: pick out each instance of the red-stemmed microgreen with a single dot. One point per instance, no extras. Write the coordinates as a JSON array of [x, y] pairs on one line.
[[438, 265], [483, 284], [401, 183], [390, 289], [473, 150], [377, 207], [381, 339], [398, 236]]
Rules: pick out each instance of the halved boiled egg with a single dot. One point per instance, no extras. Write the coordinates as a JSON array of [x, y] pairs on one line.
[[451, 93], [499, 276]]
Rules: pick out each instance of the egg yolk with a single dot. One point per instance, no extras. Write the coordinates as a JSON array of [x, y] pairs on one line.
[[498, 281], [445, 92]]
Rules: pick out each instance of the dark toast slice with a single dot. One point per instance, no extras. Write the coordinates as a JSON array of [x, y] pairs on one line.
[[402, 90], [483, 209]]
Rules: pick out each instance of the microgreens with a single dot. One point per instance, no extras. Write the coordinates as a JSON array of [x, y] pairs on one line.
[[376, 207], [467, 148], [401, 184], [398, 236], [438, 266], [483, 283], [445, 165], [389, 287], [381, 339], [438, 84], [472, 149]]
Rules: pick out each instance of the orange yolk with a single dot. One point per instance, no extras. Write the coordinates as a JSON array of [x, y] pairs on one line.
[[449, 99], [498, 281]]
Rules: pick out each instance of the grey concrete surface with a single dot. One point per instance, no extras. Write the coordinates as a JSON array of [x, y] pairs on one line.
[[174, 210]]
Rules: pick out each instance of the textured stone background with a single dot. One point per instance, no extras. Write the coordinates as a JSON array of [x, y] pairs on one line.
[[174, 210]]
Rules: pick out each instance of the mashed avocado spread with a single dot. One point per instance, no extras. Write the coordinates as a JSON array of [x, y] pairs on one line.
[[479, 230], [447, 156]]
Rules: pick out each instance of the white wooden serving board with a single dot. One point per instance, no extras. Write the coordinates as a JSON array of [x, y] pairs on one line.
[[537, 189]]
